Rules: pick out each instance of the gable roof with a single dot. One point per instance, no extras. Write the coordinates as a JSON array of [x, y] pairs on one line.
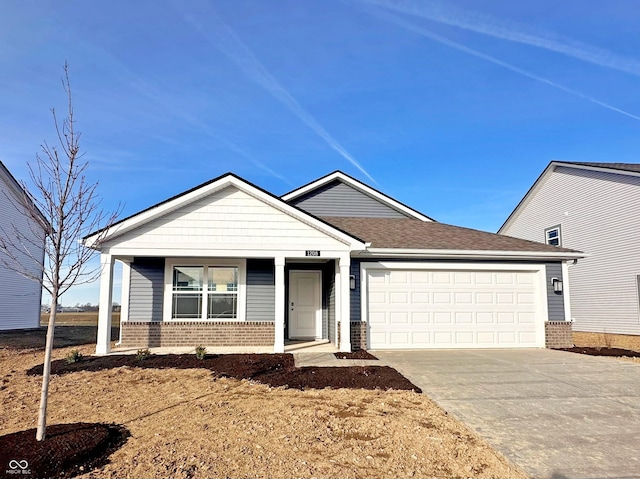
[[410, 235], [205, 189], [358, 185], [631, 169]]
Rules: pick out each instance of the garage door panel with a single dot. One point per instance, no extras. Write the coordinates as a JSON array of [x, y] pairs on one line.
[[448, 309], [441, 298], [420, 317]]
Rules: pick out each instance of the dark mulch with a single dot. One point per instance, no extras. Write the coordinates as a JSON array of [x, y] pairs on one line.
[[68, 450], [64, 337], [272, 369], [360, 354], [353, 377], [613, 352]]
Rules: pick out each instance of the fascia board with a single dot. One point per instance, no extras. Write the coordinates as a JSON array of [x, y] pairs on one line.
[[470, 254], [338, 175]]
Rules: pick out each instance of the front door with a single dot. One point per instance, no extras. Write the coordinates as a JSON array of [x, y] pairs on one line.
[[304, 305]]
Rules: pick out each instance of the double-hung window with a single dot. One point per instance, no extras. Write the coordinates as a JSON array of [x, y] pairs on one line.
[[207, 292], [552, 236]]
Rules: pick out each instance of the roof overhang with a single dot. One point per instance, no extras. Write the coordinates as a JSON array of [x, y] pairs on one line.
[[96, 239], [471, 254], [367, 190]]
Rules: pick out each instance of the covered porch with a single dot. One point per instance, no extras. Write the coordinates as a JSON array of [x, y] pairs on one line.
[[277, 304]]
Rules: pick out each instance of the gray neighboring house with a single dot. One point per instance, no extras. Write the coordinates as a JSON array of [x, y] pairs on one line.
[[595, 208], [230, 264], [19, 297]]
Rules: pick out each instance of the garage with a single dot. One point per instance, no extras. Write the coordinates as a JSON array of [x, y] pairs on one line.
[[454, 306]]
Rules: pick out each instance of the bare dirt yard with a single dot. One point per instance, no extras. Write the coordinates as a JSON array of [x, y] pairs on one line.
[[188, 422]]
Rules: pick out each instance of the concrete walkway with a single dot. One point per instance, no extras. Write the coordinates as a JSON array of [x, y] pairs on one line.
[[555, 414]]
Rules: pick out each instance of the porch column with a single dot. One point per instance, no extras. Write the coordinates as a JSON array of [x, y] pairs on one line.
[[103, 345], [278, 345], [124, 298], [345, 305]]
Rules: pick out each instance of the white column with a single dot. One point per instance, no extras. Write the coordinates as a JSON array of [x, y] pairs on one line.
[[565, 291], [124, 298], [103, 345], [344, 305], [278, 345]]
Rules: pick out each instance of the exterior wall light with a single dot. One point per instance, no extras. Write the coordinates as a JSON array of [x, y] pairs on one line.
[[352, 282], [557, 285]]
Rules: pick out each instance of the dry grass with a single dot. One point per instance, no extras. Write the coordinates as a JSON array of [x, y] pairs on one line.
[[185, 424], [606, 340]]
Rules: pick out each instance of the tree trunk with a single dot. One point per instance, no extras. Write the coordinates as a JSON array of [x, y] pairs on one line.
[[42, 412]]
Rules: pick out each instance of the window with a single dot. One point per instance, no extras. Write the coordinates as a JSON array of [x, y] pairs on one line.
[[222, 293], [204, 291], [552, 236]]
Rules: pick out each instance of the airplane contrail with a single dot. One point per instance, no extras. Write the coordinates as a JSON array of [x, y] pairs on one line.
[[222, 36], [458, 46], [510, 31]]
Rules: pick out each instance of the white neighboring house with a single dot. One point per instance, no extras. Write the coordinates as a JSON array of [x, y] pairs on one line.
[[595, 208], [19, 296]]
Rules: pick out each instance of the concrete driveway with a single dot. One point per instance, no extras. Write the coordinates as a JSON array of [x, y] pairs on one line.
[[555, 414]]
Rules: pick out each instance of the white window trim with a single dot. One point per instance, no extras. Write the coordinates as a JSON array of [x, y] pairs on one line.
[[552, 228], [169, 264]]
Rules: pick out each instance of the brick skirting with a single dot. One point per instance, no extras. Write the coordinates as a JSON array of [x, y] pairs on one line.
[[558, 334], [189, 333], [358, 335]]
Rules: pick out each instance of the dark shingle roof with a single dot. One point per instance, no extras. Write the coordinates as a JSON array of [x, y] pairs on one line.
[[415, 234], [633, 167]]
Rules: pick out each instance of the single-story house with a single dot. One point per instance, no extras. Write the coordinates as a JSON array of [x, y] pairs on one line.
[[595, 208], [228, 263], [20, 296]]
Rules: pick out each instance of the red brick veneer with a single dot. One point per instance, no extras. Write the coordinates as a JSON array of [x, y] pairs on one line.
[[558, 334], [190, 333]]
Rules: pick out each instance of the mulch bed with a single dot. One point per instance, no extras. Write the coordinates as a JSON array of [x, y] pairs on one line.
[[67, 450], [612, 352], [360, 354], [271, 369]]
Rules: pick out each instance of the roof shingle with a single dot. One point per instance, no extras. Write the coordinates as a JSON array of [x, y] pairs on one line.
[[405, 233]]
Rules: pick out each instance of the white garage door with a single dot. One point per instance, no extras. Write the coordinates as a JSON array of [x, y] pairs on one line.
[[453, 309]]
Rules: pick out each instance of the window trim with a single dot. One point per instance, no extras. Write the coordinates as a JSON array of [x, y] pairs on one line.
[[546, 235], [170, 263]]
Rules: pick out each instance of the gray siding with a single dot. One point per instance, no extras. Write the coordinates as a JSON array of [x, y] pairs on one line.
[[261, 293], [355, 306], [146, 289], [19, 296], [598, 214], [555, 301], [339, 199]]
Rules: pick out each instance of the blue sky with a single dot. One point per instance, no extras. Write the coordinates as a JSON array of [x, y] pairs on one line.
[[453, 108]]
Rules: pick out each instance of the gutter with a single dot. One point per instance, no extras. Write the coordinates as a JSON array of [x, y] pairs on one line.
[[470, 254]]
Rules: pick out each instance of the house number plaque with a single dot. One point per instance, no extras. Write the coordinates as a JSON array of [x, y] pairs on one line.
[[312, 252]]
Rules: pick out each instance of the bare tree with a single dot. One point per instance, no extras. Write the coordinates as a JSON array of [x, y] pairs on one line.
[[65, 205]]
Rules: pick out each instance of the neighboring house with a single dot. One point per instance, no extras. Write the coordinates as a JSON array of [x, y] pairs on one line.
[[19, 296], [229, 264], [595, 208]]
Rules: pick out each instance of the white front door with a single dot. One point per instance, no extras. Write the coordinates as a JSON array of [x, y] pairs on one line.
[[305, 307]]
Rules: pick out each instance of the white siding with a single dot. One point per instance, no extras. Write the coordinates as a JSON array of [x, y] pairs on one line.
[[229, 220], [599, 214], [19, 296]]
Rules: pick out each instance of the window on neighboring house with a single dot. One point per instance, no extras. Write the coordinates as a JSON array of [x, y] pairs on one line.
[[552, 236], [193, 298]]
